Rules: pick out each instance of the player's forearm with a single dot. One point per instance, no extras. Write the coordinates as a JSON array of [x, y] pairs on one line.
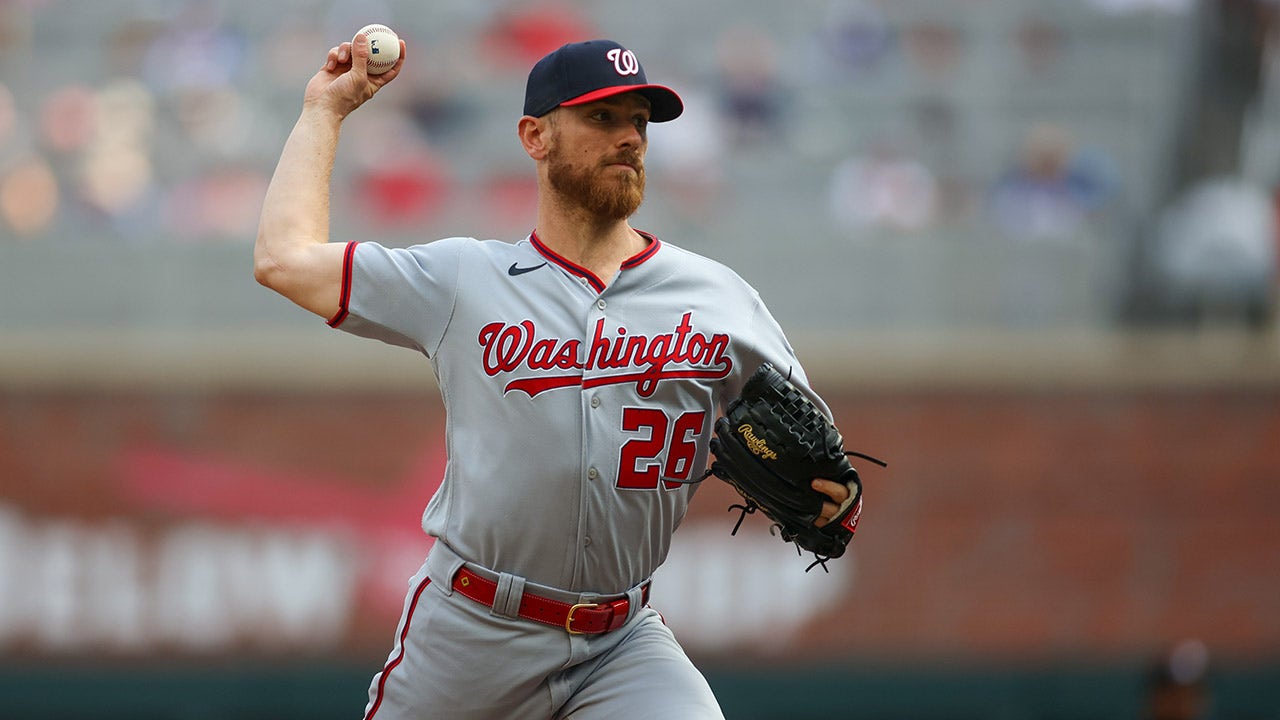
[[295, 210]]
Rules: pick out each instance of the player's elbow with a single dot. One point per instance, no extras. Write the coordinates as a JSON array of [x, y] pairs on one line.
[[266, 269], [308, 274], [271, 254], [273, 265]]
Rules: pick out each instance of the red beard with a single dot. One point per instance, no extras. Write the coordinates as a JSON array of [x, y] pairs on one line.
[[616, 197]]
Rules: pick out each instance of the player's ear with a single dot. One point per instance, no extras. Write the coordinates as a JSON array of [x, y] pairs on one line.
[[535, 135]]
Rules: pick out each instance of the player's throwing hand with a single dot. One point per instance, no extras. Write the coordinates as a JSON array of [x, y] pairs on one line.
[[343, 83]]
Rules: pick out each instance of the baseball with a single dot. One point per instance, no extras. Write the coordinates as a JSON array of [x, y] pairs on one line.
[[384, 47]]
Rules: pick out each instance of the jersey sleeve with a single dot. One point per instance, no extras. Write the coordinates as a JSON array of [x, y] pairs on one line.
[[401, 296], [770, 345]]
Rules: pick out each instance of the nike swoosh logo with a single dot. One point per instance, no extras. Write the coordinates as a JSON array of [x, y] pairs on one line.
[[514, 271]]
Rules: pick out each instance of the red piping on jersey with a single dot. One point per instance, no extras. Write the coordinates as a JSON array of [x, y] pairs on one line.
[[576, 269], [344, 297], [536, 385], [644, 254], [391, 664]]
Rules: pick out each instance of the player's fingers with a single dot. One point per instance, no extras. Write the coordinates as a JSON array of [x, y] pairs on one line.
[[395, 69], [829, 511], [360, 54], [338, 55], [838, 492]]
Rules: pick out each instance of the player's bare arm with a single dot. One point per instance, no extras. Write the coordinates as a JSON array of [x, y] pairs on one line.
[[293, 255]]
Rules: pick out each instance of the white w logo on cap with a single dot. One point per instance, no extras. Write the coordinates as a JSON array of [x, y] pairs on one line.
[[624, 61]]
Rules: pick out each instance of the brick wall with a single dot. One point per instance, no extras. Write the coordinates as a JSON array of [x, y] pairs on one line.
[[1009, 525]]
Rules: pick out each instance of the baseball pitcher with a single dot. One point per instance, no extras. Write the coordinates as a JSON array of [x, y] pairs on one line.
[[582, 369]]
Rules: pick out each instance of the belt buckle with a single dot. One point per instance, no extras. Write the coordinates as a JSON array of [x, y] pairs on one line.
[[568, 619]]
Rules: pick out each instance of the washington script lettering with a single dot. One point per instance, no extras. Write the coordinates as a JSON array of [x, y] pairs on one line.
[[640, 359]]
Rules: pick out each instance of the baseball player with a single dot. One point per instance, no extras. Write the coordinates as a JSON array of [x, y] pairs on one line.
[[581, 370]]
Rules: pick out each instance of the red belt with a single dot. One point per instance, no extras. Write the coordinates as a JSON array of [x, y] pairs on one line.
[[578, 619]]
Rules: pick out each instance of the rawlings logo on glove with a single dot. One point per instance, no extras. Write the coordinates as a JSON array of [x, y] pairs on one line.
[[757, 446], [770, 445]]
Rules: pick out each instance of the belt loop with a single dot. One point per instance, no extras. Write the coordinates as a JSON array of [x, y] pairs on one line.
[[442, 566], [635, 600], [506, 602]]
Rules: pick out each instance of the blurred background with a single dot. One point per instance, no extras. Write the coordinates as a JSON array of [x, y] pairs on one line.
[[1026, 248]]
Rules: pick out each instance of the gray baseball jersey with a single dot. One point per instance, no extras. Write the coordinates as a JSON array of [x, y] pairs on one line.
[[574, 410], [577, 410]]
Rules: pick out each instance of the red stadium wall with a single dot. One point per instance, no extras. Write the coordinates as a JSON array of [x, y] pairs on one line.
[[1009, 526]]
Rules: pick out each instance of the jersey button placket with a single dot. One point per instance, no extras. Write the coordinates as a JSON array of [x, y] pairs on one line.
[[594, 424], [593, 419]]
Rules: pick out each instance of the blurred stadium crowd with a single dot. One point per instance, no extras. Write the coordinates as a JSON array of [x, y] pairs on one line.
[[963, 130]]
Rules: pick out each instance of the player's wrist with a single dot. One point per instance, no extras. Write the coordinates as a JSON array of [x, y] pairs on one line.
[[320, 113]]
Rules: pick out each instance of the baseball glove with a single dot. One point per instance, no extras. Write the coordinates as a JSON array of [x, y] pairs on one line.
[[770, 445]]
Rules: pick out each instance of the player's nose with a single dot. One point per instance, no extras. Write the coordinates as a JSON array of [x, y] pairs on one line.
[[630, 136]]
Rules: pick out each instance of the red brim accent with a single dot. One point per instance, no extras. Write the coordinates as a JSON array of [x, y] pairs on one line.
[[664, 103]]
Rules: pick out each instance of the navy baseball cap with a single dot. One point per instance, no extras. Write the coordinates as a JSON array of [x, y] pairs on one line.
[[579, 73]]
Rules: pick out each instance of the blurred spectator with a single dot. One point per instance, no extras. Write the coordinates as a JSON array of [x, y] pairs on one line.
[[116, 174], [1054, 190], [110, 152], [116, 180], [938, 141], [1177, 685], [196, 50], [883, 189], [68, 119], [521, 33], [28, 197], [1041, 44], [435, 98], [1215, 254], [935, 48], [216, 123], [855, 37], [129, 43], [400, 181], [751, 92]]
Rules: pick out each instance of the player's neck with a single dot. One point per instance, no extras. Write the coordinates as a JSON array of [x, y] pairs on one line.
[[599, 246]]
